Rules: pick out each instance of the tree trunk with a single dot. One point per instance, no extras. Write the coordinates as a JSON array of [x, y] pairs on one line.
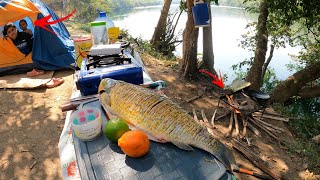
[[208, 56], [161, 26], [310, 92], [293, 84], [188, 65], [266, 64], [254, 75]]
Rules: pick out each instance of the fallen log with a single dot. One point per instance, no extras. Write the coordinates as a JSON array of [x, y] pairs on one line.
[[255, 159]]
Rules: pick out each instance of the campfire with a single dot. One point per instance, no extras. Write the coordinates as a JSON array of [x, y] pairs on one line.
[[248, 111]]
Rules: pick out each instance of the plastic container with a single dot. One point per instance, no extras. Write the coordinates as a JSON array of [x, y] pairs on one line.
[[87, 123], [113, 34], [200, 13], [99, 32], [82, 47], [103, 17]]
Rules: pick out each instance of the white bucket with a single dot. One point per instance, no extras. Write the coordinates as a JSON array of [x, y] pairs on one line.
[[86, 123]]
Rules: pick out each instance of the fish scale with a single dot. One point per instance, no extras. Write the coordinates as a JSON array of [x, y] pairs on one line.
[[160, 117]]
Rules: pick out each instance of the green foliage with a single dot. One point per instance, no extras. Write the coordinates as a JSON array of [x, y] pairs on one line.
[[87, 9], [169, 40], [303, 17], [233, 3], [145, 46], [306, 125], [126, 4], [270, 81]]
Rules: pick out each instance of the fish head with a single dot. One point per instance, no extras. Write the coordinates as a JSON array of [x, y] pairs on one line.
[[105, 89]]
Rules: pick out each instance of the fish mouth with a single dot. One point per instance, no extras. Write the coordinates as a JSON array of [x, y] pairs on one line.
[[106, 85]]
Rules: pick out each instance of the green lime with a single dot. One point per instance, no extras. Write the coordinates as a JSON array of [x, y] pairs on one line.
[[114, 129]]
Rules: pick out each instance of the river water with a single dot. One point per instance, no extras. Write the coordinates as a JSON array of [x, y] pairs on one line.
[[228, 23]]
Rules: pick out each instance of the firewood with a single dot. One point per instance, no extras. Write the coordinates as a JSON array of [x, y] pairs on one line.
[[205, 119], [33, 164], [193, 98], [245, 125], [258, 114], [269, 125], [195, 117], [222, 116], [255, 159], [268, 111], [213, 117], [254, 130], [200, 93], [230, 125], [243, 103], [264, 129], [236, 124]]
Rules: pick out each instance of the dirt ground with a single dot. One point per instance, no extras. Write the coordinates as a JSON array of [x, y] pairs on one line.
[[31, 123]]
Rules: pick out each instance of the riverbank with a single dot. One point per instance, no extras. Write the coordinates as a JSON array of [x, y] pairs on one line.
[[32, 122]]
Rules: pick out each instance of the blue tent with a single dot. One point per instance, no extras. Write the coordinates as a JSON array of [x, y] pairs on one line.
[[50, 51]]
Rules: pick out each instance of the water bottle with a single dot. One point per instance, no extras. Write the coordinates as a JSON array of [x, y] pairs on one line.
[[103, 17]]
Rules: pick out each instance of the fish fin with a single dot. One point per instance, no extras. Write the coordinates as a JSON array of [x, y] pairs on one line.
[[152, 138], [183, 146]]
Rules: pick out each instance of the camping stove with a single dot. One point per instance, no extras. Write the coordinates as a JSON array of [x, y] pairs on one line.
[[107, 61]]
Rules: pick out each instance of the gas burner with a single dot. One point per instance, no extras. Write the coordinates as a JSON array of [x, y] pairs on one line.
[[106, 60]]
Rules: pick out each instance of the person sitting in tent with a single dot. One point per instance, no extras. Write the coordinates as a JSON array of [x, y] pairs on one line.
[[22, 40], [24, 26]]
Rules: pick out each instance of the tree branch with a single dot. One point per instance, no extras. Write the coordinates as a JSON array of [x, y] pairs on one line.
[[266, 64]]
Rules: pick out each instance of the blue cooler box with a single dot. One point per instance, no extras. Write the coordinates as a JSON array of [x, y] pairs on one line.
[[89, 80]]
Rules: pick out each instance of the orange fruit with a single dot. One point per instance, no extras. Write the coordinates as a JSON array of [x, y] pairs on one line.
[[114, 129], [134, 143]]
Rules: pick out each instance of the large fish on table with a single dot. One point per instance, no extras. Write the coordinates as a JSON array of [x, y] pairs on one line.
[[159, 117]]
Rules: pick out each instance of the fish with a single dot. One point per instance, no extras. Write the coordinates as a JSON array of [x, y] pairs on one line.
[[160, 118]]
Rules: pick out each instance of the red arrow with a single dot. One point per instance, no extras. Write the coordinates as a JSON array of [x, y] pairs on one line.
[[216, 80], [43, 22]]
